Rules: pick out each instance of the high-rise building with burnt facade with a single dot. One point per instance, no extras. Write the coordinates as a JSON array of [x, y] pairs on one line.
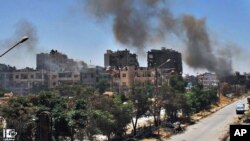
[[165, 59], [120, 59]]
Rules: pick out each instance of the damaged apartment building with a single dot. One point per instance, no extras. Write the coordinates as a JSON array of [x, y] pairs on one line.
[[166, 62], [161, 65], [120, 59], [53, 69], [167, 59]]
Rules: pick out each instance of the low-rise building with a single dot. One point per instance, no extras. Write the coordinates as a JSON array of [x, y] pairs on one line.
[[124, 78], [208, 80], [94, 74], [21, 81], [57, 78]]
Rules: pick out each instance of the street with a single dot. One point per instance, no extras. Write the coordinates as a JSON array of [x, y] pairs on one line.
[[211, 128]]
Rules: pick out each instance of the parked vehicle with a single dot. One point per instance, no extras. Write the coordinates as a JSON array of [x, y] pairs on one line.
[[240, 108], [174, 126], [177, 127]]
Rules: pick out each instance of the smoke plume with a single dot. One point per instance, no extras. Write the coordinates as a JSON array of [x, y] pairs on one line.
[[199, 53], [136, 23], [23, 28], [25, 52], [26, 28]]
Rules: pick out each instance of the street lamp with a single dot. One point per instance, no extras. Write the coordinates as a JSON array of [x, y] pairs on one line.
[[168, 60], [158, 67], [157, 112], [23, 39]]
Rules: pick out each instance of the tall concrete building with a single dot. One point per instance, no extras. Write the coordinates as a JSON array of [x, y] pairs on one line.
[[165, 59], [56, 61], [120, 59]]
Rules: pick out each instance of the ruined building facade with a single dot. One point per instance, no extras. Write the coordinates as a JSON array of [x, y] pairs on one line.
[[161, 65], [120, 59], [166, 59]]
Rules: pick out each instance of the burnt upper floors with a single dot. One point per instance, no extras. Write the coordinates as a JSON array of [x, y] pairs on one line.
[[165, 58]]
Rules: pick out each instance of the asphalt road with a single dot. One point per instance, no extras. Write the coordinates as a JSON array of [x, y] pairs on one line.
[[211, 128]]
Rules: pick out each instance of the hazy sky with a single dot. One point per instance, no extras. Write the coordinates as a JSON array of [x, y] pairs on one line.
[[65, 25]]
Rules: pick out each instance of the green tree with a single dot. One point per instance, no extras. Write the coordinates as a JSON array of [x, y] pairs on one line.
[[200, 99], [78, 118], [19, 113], [139, 98], [177, 83], [104, 122], [115, 114], [176, 98], [122, 112], [156, 105], [57, 105], [60, 118]]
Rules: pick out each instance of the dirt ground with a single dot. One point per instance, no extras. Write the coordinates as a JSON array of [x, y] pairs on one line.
[[223, 101]]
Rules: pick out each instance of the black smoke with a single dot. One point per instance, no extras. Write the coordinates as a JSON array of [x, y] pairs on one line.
[[137, 23], [199, 52], [25, 52], [22, 28]]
